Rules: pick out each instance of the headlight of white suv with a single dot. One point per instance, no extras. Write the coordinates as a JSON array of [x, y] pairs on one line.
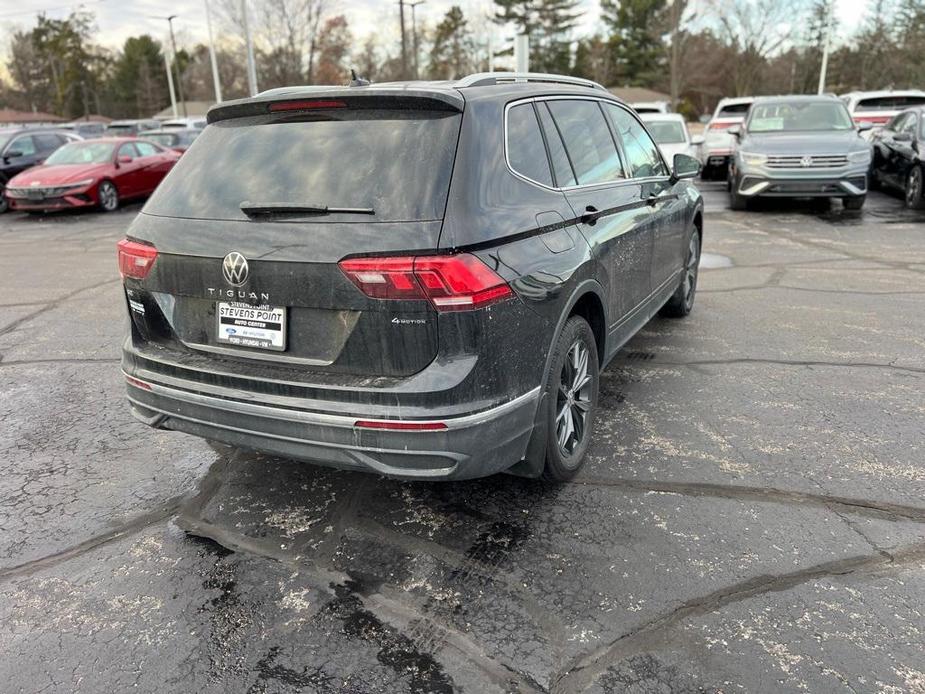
[[862, 157], [753, 159]]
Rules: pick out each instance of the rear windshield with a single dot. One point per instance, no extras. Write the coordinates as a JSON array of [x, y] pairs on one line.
[[733, 110], [889, 103], [666, 132], [397, 162]]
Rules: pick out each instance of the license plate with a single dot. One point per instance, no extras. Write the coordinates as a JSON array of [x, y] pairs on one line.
[[35, 194], [243, 325]]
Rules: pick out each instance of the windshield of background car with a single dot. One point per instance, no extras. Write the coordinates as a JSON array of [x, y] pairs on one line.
[[733, 111], [666, 132], [799, 116], [889, 103], [397, 162], [82, 153]]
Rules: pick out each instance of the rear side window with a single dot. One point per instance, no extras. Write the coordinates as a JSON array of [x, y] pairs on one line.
[[733, 111], [590, 145], [525, 147], [561, 166], [641, 152], [48, 142], [145, 149], [397, 162]]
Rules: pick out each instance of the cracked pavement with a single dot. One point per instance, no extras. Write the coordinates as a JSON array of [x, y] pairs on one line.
[[750, 518]]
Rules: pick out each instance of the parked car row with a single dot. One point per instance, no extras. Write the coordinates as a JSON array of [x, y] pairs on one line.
[[51, 169]]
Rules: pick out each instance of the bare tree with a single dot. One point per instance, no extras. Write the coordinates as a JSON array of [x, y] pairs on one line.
[[285, 34], [756, 29]]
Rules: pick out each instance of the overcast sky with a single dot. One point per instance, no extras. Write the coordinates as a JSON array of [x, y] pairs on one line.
[[119, 19]]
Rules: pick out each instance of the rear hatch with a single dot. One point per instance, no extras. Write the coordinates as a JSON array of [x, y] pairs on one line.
[[250, 226]]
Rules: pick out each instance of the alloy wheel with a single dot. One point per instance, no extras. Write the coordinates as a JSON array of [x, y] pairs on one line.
[[109, 198], [914, 186], [573, 402], [690, 270]]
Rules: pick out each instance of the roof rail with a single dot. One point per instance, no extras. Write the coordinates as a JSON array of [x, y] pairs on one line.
[[481, 79]]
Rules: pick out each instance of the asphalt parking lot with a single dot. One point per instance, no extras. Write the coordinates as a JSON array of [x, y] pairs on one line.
[[750, 519]]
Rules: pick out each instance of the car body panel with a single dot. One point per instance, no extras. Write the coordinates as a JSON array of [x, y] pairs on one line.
[[895, 156]]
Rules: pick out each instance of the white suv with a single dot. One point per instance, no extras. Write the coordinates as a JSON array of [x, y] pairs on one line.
[[718, 144], [878, 108]]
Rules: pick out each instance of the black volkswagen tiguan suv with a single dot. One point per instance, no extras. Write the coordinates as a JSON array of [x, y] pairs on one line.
[[418, 279]]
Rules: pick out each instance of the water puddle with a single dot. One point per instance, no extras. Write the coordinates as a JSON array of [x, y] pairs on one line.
[[714, 261]]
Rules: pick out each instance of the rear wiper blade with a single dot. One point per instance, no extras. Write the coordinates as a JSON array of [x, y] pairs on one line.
[[262, 209]]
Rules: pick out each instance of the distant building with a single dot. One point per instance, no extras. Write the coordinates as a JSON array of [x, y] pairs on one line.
[[635, 95], [193, 108], [10, 117]]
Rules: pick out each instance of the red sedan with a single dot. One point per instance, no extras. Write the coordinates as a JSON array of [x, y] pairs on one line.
[[92, 173]]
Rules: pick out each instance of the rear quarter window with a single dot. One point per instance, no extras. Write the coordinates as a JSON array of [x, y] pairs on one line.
[[397, 162], [525, 148]]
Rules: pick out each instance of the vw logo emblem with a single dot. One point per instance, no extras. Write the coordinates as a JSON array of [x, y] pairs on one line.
[[234, 268], [806, 161]]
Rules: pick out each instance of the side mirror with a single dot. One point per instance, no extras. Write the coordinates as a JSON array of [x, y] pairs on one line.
[[685, 166], [12, 154], [865, 126], [124, 159], [697, 140], [902, 137], [735, 131]]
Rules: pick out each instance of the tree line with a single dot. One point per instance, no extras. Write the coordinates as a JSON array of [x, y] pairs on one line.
[[697, 51]]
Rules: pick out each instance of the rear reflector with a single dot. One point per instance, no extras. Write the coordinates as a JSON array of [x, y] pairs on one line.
[[305, 105], [399, 426], [138, 384], [450, 282], [135, 259]]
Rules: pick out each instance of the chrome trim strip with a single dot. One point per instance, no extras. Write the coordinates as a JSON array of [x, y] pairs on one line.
[[264, 356], [322, 419]]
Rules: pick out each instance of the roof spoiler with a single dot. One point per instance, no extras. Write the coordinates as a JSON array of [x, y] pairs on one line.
[[404, 98]]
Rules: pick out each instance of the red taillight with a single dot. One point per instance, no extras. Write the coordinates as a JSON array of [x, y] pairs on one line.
[[399, 426], [451, 282], [720, 125], [876, 120], [135, 259], [305, 105]]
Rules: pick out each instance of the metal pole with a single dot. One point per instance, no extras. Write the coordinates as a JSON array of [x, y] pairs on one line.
[[251, 65], [414, 35], [173, 96], [825, 49], [215, 80], [404, 49], [522, 53], [176, 64]]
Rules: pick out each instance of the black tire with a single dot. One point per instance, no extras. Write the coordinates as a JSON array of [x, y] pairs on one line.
[[107, 196], [571, 392], [4, 203], [915, 188], [682, 301], [737, 202], [854, 203]]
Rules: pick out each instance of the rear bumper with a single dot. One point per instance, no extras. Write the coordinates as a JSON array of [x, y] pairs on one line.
[[472, 445]]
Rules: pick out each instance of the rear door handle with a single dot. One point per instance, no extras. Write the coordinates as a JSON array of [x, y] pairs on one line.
[[652, 200], [590, 216]]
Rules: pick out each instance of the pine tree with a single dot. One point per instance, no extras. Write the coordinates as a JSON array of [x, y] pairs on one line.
[[638, 51], [548, 23], [451, 54]]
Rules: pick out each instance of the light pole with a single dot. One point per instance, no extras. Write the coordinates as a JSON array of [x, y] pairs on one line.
[[251, 65], [215, 81], [826, 39], [414, 35], [404, 49], [173, 44]]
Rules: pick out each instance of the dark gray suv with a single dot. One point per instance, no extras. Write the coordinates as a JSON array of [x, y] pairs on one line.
[[421, 279]]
